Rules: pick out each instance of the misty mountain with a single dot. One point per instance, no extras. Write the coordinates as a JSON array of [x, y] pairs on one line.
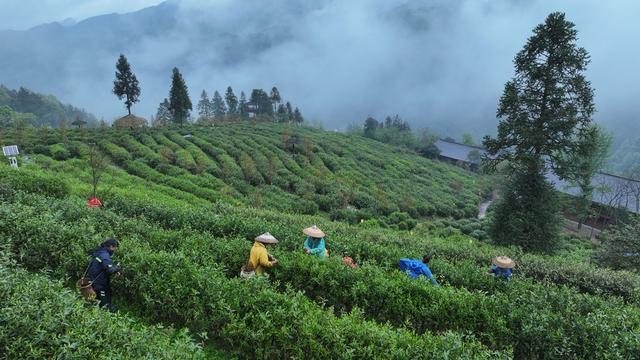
[[438, 64], [47, 108]]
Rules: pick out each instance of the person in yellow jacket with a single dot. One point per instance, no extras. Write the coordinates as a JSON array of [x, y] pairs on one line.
[[259, 258]]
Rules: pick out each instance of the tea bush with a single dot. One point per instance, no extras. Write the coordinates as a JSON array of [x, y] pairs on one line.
[[285, 324], [386, 297], [41, 319]]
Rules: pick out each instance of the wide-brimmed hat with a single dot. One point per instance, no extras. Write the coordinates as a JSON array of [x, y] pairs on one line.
[[266, 238], [503, 262], [313, 231]]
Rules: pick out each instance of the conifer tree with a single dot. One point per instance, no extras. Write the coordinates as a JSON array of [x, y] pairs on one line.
[[281, 114], [388, 122], [544, 110], [289, 112], [232, 101], [242, 105], [275, 98], [297, 117], [262, 101], [179, 102], [204, 106], [126, 84], [163, 116], [218, 106]]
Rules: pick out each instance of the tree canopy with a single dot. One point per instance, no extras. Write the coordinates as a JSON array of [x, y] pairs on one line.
[[545, 110], [126, 84], [179, 102]]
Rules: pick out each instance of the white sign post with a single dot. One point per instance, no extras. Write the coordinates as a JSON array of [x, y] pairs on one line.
[[11, 152]]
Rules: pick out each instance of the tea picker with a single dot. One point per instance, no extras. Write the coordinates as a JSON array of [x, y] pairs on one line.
[[502, 268], [314, 244], [259, 258], [416, 268], [95, 284]]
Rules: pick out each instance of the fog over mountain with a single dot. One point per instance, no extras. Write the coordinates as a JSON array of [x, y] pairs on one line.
[[436, 63]]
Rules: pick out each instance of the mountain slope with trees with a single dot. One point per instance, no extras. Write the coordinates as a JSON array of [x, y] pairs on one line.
[[47, 109]]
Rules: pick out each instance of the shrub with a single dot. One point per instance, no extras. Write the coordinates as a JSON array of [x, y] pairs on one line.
[[621, 246], [52, 323], [33, 181], [59, 152], [118, 154]]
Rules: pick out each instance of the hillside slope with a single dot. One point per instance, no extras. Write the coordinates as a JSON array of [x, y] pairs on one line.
[[291, 169], [47, 108], [184, 207]]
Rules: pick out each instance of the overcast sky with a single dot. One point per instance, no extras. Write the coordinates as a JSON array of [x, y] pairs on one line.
[[24, 14], [442, 64]]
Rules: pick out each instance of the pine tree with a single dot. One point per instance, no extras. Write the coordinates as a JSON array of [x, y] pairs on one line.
[[232, 101], [388, 122], [179, 102], [126, 84], [281, 114], [370, 127], [297, 117], [579, 168], [544, 110], [218, 106], [163, 116], [204, 106], [262, 101], [242, 105], [289, 112], [275, 98]]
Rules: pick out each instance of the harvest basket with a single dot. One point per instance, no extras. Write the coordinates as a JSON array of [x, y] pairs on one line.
[[84, 285]]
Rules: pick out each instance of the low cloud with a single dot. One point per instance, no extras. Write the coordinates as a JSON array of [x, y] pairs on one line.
[[440, 64]]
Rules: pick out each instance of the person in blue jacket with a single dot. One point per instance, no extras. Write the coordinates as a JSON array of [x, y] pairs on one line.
[[502, 268], [415, 268], [314, 243], [100, 270]]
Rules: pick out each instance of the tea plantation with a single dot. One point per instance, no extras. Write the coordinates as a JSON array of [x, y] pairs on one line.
[[186, 202]]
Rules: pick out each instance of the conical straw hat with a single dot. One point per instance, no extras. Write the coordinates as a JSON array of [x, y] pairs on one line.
[[503, 262], [266, 238], [313, 232]]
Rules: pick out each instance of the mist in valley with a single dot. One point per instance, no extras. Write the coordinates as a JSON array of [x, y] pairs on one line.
[[438, 64]]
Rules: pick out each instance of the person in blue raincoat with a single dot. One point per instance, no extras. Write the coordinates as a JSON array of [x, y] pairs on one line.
[[502, 268], [416, 268], [314, 244], [100, 270]]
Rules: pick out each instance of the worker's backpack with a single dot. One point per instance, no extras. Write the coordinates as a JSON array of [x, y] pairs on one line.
[[85, 282]]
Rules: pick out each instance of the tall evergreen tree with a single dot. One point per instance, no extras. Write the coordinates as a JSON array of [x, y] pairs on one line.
[[262, 101], [388, 123], [297, 116], [218, 106], [232, 101], [289, 112], [126, 84], [281, 114], [179, 102], [204, 106], [163, 116], [242, 105], [579, 167], [275, 98], [370, 126], [544, 110]]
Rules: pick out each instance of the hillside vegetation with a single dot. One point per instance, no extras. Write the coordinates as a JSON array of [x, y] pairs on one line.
[[48, 110], [185, 208], [291, 169]]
